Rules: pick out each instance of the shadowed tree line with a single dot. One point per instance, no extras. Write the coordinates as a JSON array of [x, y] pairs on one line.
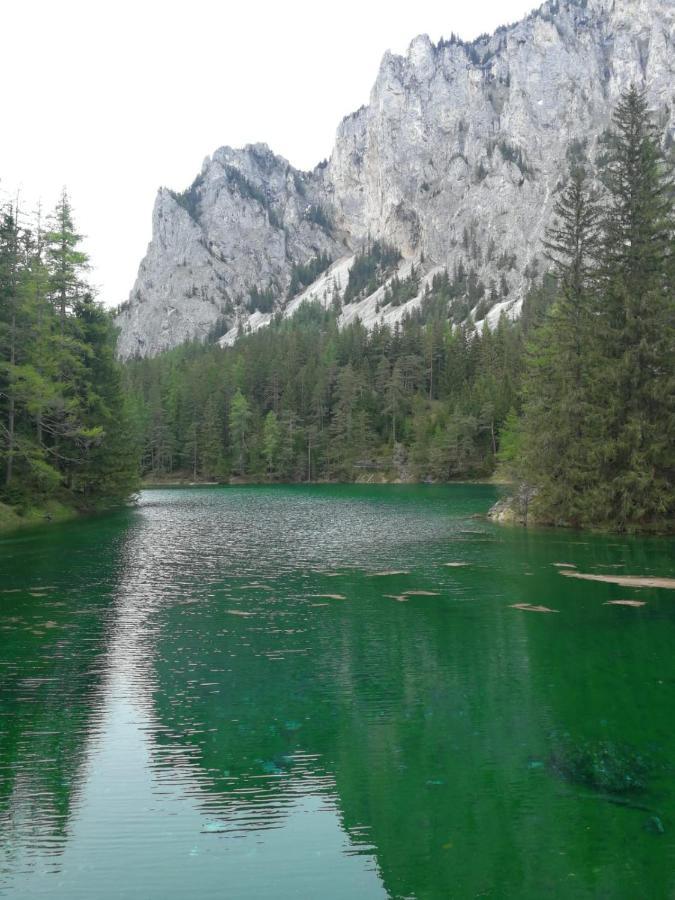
[[304, 400], [596, 442], [64, 431]]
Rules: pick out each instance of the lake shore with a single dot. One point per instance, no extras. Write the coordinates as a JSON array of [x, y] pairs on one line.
[[12, 519], [187, 481], [518, 511]]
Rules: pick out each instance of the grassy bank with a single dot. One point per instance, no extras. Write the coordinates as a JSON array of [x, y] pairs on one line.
[[12, 518]]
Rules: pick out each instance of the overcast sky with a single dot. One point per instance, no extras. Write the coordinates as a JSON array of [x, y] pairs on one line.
[[113, 100]]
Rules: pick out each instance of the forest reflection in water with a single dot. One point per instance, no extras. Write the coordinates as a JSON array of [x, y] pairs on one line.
[[185, 704]]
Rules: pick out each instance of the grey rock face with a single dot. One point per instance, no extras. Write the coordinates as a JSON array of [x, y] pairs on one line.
[[245, 220], [457, 157]]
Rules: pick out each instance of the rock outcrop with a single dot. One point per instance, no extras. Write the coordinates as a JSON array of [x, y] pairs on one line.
[[456, 162]]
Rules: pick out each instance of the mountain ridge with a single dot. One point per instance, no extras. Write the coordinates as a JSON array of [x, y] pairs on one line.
[[455, 161]]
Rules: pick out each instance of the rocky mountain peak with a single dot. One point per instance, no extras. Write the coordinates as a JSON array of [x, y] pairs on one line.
[[455, 162]]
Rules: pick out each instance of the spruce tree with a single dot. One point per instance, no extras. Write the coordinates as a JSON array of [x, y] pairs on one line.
[[560, 456], [394, 398], [9, 338], [210, 438], [636, 388], [67, 262], [239, 425], [599, 425], [109, 464], [271, 441], [64, 433]]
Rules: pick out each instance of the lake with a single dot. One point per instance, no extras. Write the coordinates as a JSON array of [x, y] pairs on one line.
[[226, 693]]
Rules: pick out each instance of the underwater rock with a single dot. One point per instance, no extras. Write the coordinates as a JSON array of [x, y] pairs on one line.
[[527, 607], [654, 825], [616, 769]]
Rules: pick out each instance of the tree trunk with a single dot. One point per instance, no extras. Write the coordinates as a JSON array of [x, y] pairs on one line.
[[11, 414], [10, 442]]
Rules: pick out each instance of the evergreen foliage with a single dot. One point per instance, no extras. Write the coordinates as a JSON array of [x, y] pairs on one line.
[[302, 275], [370, 270], [513, 154], [189, 198], [250, 191], [454, 296], [575, 399], [600, 388], [400, 291], [304, 399], [261, 300], [318, 216], [66, 431]]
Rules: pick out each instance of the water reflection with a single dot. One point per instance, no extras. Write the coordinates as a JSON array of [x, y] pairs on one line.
[[184, 705], [52, 657]]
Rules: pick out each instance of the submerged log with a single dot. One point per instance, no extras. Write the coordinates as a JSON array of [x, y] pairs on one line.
[[634, 581]]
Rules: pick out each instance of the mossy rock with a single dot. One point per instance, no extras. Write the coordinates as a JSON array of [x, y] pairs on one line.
[[603, 765]]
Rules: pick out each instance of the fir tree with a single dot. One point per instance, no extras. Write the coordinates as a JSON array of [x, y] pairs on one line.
[[239, 423], [271, 441], [560, 452], [64, 430], [9, 302], [67, 263], [599, 426], [210, 438], [636, 392]]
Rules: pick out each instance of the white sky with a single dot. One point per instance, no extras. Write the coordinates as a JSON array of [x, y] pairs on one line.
[[114, 99]]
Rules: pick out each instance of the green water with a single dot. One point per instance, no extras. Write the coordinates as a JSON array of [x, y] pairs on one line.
[[182, 715]]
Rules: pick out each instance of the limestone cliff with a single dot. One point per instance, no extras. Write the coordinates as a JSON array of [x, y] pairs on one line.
[[455, 161]]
